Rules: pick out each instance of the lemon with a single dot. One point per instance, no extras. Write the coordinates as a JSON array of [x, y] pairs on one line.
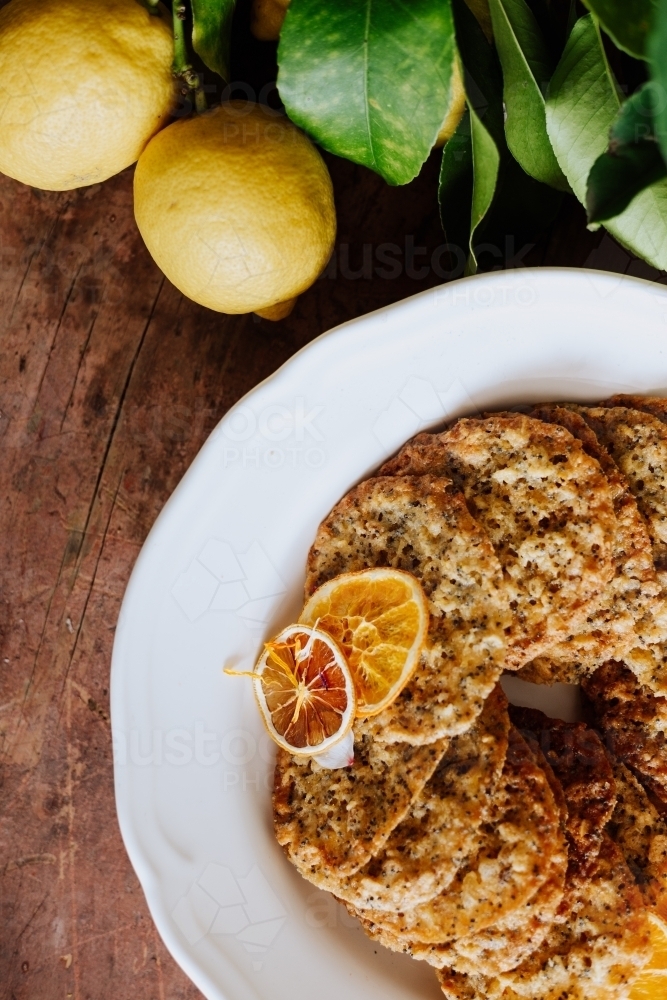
[[304, 690], [84, 84], [379, 618], [236, 207]]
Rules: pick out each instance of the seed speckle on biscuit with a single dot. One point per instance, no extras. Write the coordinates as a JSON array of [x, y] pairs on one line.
[[419, 524], [547, 508]]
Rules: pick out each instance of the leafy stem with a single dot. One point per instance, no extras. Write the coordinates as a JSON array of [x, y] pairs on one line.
[[182, 67], [181, 63]]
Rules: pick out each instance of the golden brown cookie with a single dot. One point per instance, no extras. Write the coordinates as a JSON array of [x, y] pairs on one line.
[[418, 524], [641, 833], [336, 820], [509, 941], [441, 830], [637, 441], [583, 769], [634, 723], [631, 611], [547, 508], [594, 951], [518, 846], [655, 405]]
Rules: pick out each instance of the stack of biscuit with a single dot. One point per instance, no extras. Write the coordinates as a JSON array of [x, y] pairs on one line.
[[517, 854]]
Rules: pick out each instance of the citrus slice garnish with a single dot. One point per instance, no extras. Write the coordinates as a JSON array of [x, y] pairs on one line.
[[379, 619], [304, 690], [652, 982]]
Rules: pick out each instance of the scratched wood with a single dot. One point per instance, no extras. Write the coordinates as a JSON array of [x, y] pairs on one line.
[[110, 381]]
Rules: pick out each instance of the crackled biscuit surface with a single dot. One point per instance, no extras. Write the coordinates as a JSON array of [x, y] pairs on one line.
[[419, 524], [547, 507]]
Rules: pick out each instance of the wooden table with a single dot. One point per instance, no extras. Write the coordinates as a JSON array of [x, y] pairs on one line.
[[110, 381]]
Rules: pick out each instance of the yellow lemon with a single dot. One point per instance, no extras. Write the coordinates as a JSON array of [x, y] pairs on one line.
[[236, 206], [84, 84]]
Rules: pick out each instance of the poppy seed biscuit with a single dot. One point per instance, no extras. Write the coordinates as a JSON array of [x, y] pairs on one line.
[[596, 949], [418, 524], [441, 831], [505, 944], [337, 819], [598, 940], [656, 405], [582, 767], [509, 941], [547, 508], [641, 833], [631, 611], [633, 722], [517, 850], [637, 441]]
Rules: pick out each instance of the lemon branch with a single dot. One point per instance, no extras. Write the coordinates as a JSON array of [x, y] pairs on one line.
[[181, 66]]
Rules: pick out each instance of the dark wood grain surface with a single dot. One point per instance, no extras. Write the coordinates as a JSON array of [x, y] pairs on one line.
[[110, 381]]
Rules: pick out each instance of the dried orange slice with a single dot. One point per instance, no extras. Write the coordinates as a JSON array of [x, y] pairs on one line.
[[379, 618], [304, 690], [652, 983]]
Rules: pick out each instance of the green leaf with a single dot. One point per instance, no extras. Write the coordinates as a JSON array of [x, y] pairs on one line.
[[617, 178], [485, 166], [482, 74], [656, 50], [517, 17], [634, 121], [483, 87], [369, 81], [581, 109], [521, 206], [632, 162], [487, 203], [627, 22], [582, 104], [526, 73], [455, 186], [211, 30]]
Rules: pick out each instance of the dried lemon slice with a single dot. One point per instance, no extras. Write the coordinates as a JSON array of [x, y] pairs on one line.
[[304, 690], [379, 618], [652, 982]]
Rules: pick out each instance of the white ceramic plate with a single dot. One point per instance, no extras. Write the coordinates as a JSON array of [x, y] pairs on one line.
[[223, 568]]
